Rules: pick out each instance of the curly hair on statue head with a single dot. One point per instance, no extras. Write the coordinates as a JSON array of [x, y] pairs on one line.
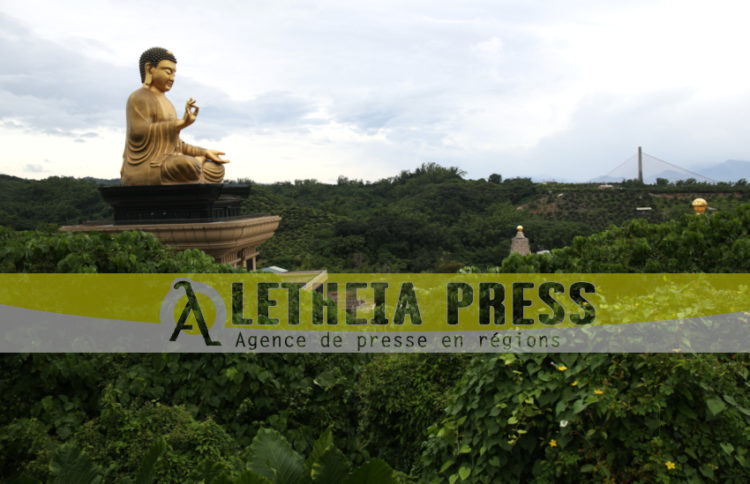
[[153, 56]]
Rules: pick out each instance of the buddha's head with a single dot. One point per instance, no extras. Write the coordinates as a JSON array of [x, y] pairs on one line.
[[157, 64]]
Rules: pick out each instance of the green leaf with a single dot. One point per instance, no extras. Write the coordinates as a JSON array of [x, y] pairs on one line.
[[707, 471], [727, 447], [465, 449], [579, 406], [331, 467], [375, 471], [715, 405], [560, 407], [464, 472], [446, 465], [145, 473], [273, 458], [320, 447], [232, 374], [569, 359], [70, 465], [326, 380]]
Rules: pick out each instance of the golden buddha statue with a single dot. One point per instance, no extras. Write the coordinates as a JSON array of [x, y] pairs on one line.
[[154, 153]]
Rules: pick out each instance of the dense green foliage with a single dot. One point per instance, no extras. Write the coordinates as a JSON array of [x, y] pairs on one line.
[[430, 219], [24, 204], [270, 460], [718, 242], [51, 251], [510, 418], [445, 418], [595, 418], [114, 406], [401, 397], [434, 220]]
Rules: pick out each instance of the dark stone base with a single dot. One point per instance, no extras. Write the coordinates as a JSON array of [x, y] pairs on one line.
[[162, 204]]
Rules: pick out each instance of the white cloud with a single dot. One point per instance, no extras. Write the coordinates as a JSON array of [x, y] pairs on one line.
[[368, 89], [488, 49]]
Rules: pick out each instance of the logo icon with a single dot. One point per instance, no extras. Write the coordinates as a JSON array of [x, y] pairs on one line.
[[186, 287]]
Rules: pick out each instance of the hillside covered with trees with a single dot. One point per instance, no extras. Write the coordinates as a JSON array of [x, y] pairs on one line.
[[427, 220], [391, 418]]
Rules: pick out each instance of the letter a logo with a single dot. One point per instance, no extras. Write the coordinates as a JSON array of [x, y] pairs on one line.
[[192, 305]]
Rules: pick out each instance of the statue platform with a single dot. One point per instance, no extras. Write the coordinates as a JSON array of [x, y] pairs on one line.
[[160, 204], [205, 217]]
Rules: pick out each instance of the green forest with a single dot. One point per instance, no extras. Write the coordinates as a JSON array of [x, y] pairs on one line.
[[430, 219], [353, 418]]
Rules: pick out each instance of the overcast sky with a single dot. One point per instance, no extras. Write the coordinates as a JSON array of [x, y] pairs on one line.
[[561, 90]]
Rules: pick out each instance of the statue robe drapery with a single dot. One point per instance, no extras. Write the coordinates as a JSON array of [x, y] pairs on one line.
[[154, 153]]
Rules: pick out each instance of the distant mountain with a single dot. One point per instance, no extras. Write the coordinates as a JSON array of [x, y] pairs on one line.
[[730, 170]]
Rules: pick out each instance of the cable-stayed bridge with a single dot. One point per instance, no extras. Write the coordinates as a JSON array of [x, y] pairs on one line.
[[647, 168]]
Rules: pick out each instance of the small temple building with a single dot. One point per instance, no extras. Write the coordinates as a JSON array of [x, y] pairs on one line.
[[519, 244]]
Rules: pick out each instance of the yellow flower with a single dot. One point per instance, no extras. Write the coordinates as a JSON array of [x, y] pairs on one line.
[[670, 465], [553, 443], [562, 368], [598, 391], [575, 383]]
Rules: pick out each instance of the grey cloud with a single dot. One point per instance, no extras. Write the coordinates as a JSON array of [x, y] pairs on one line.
[[606, 130], [279, 108], [53, 88], [33, 168], [418, 119], [220, 115], [85, 136], [370, 118]]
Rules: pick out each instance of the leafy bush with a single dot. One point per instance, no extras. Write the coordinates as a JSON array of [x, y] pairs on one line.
[[115, 444], [298, 395], [118, 440], [401, 396], [273, 461], [270, 460], [710, 243], [594, 418], [49, 251]]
